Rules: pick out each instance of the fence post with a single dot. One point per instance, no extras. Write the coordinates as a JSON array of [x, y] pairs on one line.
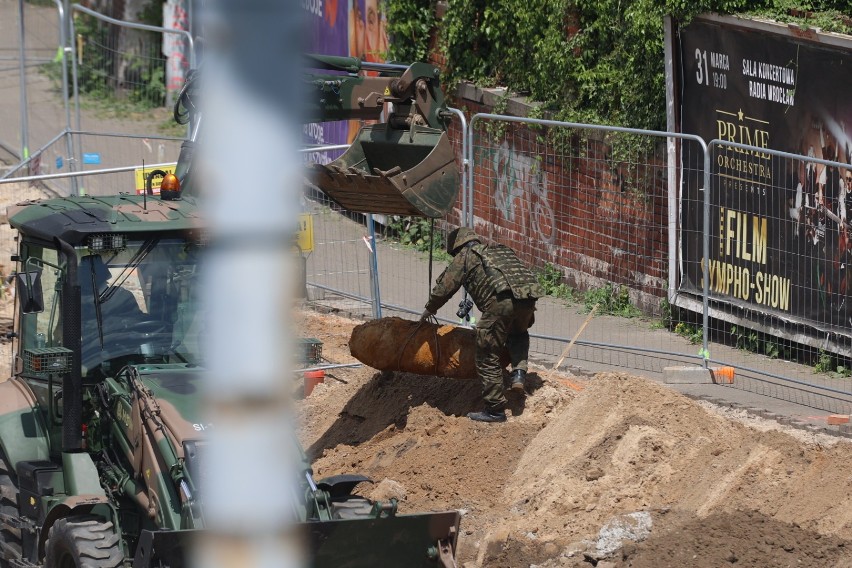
[[375, 287], [25, 143], [705, 269], [464, 174], [64, 49], [72, 41]]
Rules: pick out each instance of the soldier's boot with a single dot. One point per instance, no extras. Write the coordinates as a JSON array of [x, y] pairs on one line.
[[488, 416], [519, 381]]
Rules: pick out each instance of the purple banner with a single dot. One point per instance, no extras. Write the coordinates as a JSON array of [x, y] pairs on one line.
[[328, 22]]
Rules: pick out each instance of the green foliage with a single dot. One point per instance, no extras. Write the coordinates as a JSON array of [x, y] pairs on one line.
[[830, 363], [590, 60], [415, 232], [667, 314], [758, 342], [746, 339], [690, 332], [612, 300], [152, 88], [98, 67], [824, 363], [496, 129], [550, 278], [827, 15], [409, 25]]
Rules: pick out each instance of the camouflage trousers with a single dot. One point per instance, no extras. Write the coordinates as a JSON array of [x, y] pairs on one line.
[[504, 323]]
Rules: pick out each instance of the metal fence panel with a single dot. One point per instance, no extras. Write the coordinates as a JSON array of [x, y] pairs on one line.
[[777, 288], [338, 268], [587, 209], [31, 110]]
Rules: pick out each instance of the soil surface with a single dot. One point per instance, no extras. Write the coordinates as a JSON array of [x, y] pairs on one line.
[[612, 470]]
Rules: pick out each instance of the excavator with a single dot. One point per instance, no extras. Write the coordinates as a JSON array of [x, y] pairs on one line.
[[101, 422]]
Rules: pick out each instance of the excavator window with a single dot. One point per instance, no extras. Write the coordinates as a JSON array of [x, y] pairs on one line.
[[137, 305]]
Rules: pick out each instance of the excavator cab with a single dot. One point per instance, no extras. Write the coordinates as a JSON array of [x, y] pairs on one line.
[[402, 166]]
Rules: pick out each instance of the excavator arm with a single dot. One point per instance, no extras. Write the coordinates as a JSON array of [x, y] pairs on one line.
[[404, 165], [414, 91]]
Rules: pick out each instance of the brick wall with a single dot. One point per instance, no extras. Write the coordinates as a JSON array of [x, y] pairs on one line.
[[573, 207]]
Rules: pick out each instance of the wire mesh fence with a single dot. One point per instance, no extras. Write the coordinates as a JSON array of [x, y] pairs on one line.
[[32, 109], [106, 104], [592, 211], [587, 208], [337, 269], [776, 288], [127, 63], [101, 151]]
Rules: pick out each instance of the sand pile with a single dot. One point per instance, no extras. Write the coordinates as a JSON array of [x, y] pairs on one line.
[[614, 470]]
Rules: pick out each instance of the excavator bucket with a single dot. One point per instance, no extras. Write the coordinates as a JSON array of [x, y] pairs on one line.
[[426, 540], [396, 172]]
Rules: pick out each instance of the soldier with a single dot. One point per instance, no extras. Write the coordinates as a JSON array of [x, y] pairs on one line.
[[505, 291]]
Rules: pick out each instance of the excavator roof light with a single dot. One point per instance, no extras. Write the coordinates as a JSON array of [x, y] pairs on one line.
[[170, 187], [107, 242]]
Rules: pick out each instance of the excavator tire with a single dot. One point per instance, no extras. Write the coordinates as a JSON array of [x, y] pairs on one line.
[[10, 539], [84, 541]]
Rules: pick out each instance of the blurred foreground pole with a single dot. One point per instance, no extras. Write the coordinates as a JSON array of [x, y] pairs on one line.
[[251, 177]]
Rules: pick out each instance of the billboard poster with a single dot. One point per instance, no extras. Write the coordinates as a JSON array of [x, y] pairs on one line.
[[353, 28], [779, 234], [328, 25]]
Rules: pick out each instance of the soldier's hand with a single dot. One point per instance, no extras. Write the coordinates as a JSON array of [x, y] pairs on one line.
[[426, 315]]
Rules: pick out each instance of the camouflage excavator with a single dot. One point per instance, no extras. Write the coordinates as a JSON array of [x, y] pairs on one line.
[[101, 433]]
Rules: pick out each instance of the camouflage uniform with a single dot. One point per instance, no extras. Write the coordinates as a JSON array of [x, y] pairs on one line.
[[505, 291]]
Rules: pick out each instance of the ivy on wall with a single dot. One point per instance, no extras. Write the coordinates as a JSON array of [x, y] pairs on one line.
[[586, 60], [409, 24]]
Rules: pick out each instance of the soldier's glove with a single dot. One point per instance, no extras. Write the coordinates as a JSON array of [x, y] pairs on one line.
[[426, 315]]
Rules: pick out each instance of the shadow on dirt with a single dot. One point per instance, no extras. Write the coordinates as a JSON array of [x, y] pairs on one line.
[[388, 397]]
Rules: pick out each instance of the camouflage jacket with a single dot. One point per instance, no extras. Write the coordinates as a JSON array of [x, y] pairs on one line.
[[484, 271]]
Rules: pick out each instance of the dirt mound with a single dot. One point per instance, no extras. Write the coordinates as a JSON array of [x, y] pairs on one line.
[[615, 469], [395, 344]]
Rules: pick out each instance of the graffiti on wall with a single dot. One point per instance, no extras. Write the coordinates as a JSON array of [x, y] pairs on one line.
[[521, 193]]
